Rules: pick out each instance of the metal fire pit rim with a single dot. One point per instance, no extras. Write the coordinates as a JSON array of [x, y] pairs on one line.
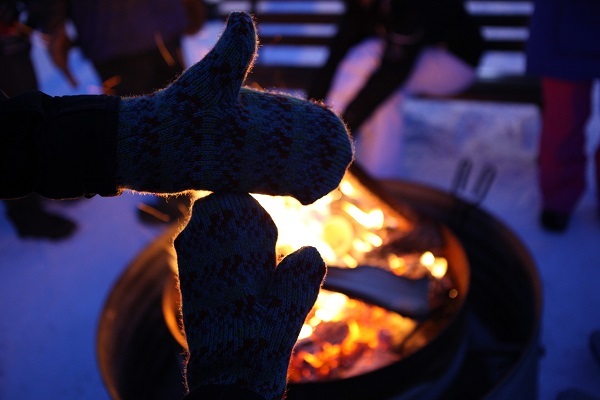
[[412, 195]]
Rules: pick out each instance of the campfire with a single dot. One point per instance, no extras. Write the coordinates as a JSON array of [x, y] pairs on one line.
[[388, 279], [400, 323]]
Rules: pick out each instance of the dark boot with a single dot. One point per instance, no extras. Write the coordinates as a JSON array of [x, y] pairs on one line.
[[554, 221], [30, 220]]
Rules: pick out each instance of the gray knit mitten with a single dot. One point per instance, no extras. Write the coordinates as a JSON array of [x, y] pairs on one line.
[[206, 132], [242, 314]]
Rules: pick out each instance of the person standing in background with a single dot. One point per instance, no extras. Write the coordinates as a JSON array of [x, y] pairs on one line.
[[386, 50], [17, 75], [135, 47], [564, 52]]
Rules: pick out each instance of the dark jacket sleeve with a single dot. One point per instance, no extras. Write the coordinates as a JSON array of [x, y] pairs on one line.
[[58, 147]]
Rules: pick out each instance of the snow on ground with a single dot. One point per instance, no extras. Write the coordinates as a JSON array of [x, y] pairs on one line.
[[51, 293]]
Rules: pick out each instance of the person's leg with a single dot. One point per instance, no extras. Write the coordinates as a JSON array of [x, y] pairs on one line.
[[353, 72], [379, 138], [562, 158], [438, 72], [379, 142]]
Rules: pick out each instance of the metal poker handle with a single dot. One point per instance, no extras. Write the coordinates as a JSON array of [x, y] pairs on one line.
[[482, 186]]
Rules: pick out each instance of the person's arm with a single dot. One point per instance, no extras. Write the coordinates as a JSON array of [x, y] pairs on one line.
[[391, 75], [203, 132]]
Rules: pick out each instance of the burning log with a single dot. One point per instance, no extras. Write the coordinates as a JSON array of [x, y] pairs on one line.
[[343, 337]]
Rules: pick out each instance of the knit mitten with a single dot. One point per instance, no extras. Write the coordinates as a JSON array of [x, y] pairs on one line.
[[206, 132], [242, 314]]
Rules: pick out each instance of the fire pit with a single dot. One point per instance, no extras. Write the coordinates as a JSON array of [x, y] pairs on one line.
[[421, 352]]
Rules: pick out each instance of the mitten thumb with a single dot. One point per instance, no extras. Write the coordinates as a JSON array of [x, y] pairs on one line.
[[297, 282], [219, 76]]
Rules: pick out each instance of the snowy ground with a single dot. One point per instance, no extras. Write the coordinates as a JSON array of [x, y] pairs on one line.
[[51, 293]]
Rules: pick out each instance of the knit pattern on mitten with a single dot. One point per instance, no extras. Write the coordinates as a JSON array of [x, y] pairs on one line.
[[242, 314], [205, 132]]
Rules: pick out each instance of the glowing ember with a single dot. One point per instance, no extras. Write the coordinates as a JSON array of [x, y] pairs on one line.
[[343, 337], [437, 266]]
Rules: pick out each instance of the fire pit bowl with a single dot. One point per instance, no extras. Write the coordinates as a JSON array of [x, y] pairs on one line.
[[490, 348]]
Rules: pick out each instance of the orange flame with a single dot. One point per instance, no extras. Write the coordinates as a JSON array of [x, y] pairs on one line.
[[342, 337]]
